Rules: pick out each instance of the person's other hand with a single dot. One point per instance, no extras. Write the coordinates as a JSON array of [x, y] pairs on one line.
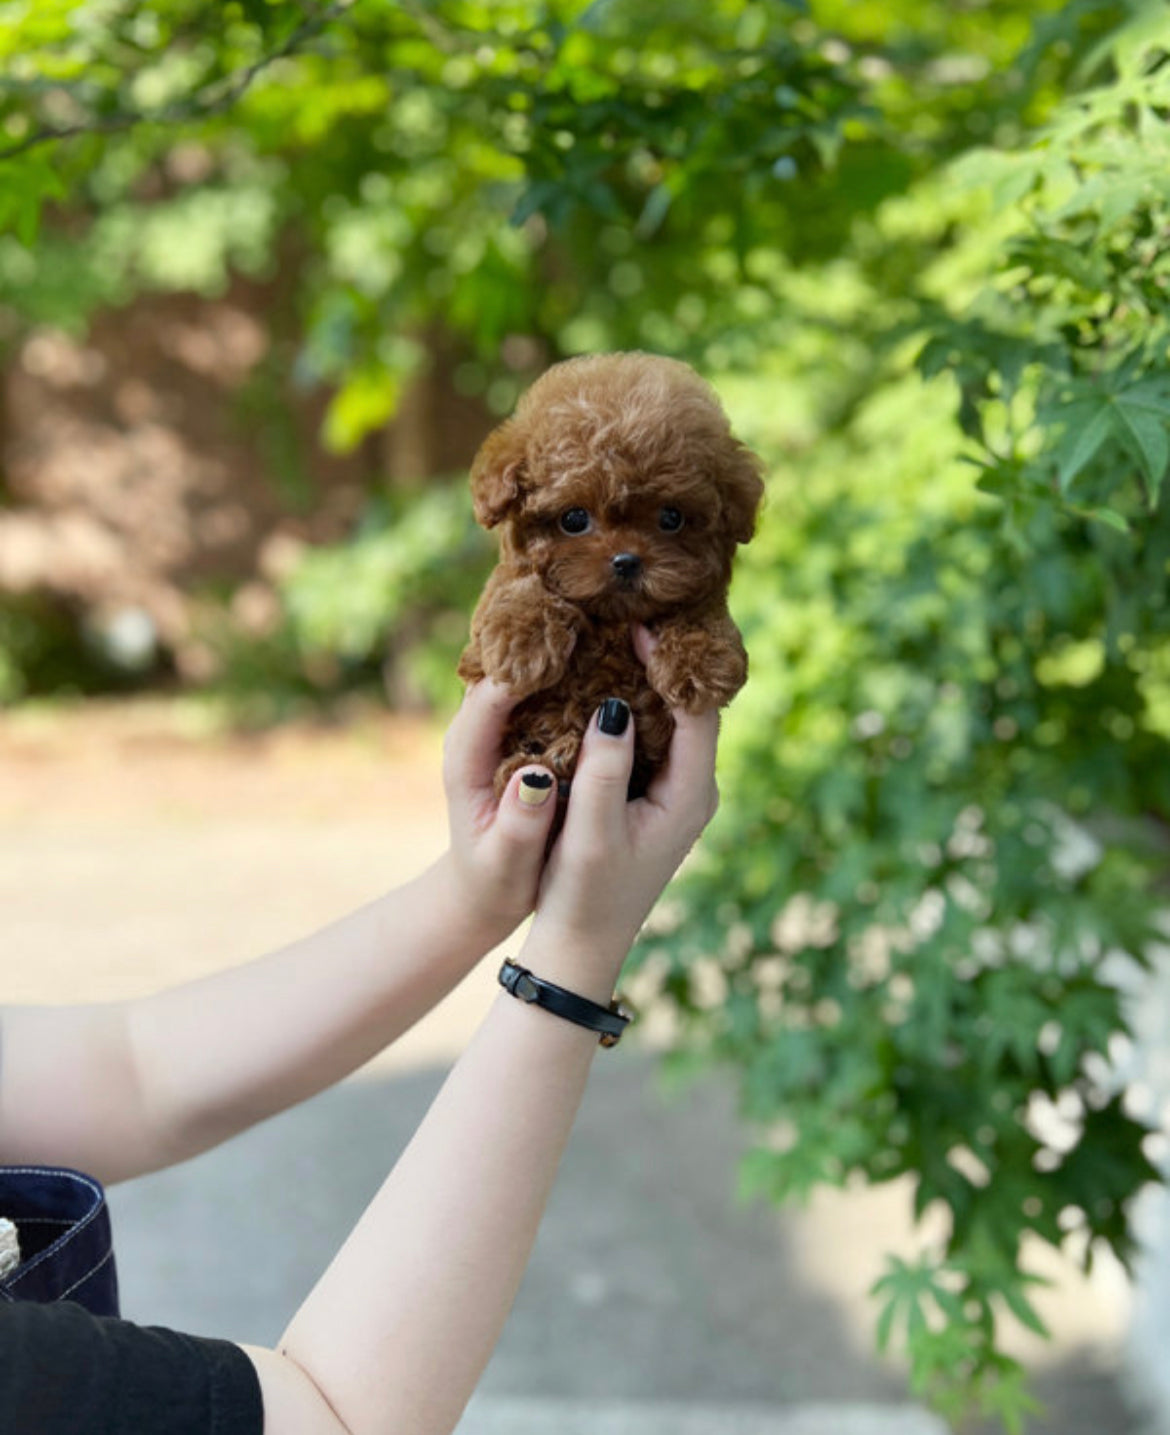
[[614, 857], [496, 849]]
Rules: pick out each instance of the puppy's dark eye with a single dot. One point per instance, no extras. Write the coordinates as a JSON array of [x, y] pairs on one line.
[[574, 520], [670, 520]]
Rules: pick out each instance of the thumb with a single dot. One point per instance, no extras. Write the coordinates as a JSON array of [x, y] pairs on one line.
[[524, 817]]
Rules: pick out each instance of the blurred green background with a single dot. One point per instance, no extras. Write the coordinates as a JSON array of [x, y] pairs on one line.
[[267, 279]]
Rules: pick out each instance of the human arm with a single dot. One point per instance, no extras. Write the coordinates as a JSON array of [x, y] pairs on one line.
[[396, 1333], [124, 1087]]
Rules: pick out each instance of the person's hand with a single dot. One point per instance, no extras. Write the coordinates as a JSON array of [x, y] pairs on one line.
[[614, 857], [496, 849]]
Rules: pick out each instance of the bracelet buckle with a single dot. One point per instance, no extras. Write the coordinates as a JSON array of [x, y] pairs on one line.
[[611, 1038], [518, 982]]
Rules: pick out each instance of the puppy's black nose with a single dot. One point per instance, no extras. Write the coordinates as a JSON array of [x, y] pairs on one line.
[[627, 565]]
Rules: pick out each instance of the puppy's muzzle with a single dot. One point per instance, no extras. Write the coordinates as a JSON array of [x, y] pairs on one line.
[[627, 567]]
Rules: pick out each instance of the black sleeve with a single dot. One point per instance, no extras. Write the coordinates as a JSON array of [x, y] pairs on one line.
[[64, 1371]]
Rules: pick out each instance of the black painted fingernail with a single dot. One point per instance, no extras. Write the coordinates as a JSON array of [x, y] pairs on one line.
[[613, 717]]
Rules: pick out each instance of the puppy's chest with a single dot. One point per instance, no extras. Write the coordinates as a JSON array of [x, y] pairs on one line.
[[603, 661]]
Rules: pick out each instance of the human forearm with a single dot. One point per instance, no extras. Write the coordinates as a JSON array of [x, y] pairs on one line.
[[396, 1332], [398, 1329], [122, 1088], [217, 1055]]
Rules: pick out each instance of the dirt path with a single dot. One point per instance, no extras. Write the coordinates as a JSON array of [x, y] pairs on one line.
[[137, 849]]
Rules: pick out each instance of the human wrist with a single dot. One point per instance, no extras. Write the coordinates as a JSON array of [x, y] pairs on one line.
[[471, 926], [607, 1019], [584, 964]]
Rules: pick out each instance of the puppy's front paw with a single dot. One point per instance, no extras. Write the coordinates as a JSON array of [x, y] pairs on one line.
[[527, 657], [692, 671]]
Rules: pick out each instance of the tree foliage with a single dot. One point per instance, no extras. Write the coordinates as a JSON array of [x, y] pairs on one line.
[[923, 247]]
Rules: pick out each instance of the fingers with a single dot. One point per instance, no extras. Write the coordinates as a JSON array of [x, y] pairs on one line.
[[644, 643], [686, 785], [597, 804], [472, 746], [688, 778]]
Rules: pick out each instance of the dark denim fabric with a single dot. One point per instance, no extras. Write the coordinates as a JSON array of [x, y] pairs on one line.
[[66, 1247]]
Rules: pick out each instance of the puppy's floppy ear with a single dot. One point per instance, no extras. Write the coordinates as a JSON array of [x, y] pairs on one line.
[[741, 488], [497, 475]]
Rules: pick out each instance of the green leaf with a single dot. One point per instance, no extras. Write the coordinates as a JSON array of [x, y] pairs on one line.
[[1044, 254], [365, 402], [1105, 1170], [654, 211], [1088, 426], [1135, 416], [26, 183], [907, 1289], [1142, 413], [885, 1326], [1004, 1395], [1108, 516], [1023, 1310]]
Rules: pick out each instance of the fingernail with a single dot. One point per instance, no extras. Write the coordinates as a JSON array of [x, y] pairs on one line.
[[613, 717], [536, 788]]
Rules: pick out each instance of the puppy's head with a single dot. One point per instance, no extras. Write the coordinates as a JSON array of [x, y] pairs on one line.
[[618, 480]]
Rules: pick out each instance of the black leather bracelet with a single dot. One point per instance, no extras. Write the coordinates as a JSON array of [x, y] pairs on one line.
[[609, 1021]]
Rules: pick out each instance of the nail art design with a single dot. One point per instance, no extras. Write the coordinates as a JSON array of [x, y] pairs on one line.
[[536, 788], [614, 717]]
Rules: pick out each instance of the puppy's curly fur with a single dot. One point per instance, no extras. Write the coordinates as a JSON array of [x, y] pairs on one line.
[[621, 495]]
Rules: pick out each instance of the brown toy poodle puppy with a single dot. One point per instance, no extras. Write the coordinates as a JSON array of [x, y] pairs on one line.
[[621, 495]]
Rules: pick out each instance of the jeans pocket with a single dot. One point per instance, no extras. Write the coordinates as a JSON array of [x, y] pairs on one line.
[[66, 1243]]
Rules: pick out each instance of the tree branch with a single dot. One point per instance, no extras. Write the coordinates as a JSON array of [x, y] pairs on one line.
[[196, 107]]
